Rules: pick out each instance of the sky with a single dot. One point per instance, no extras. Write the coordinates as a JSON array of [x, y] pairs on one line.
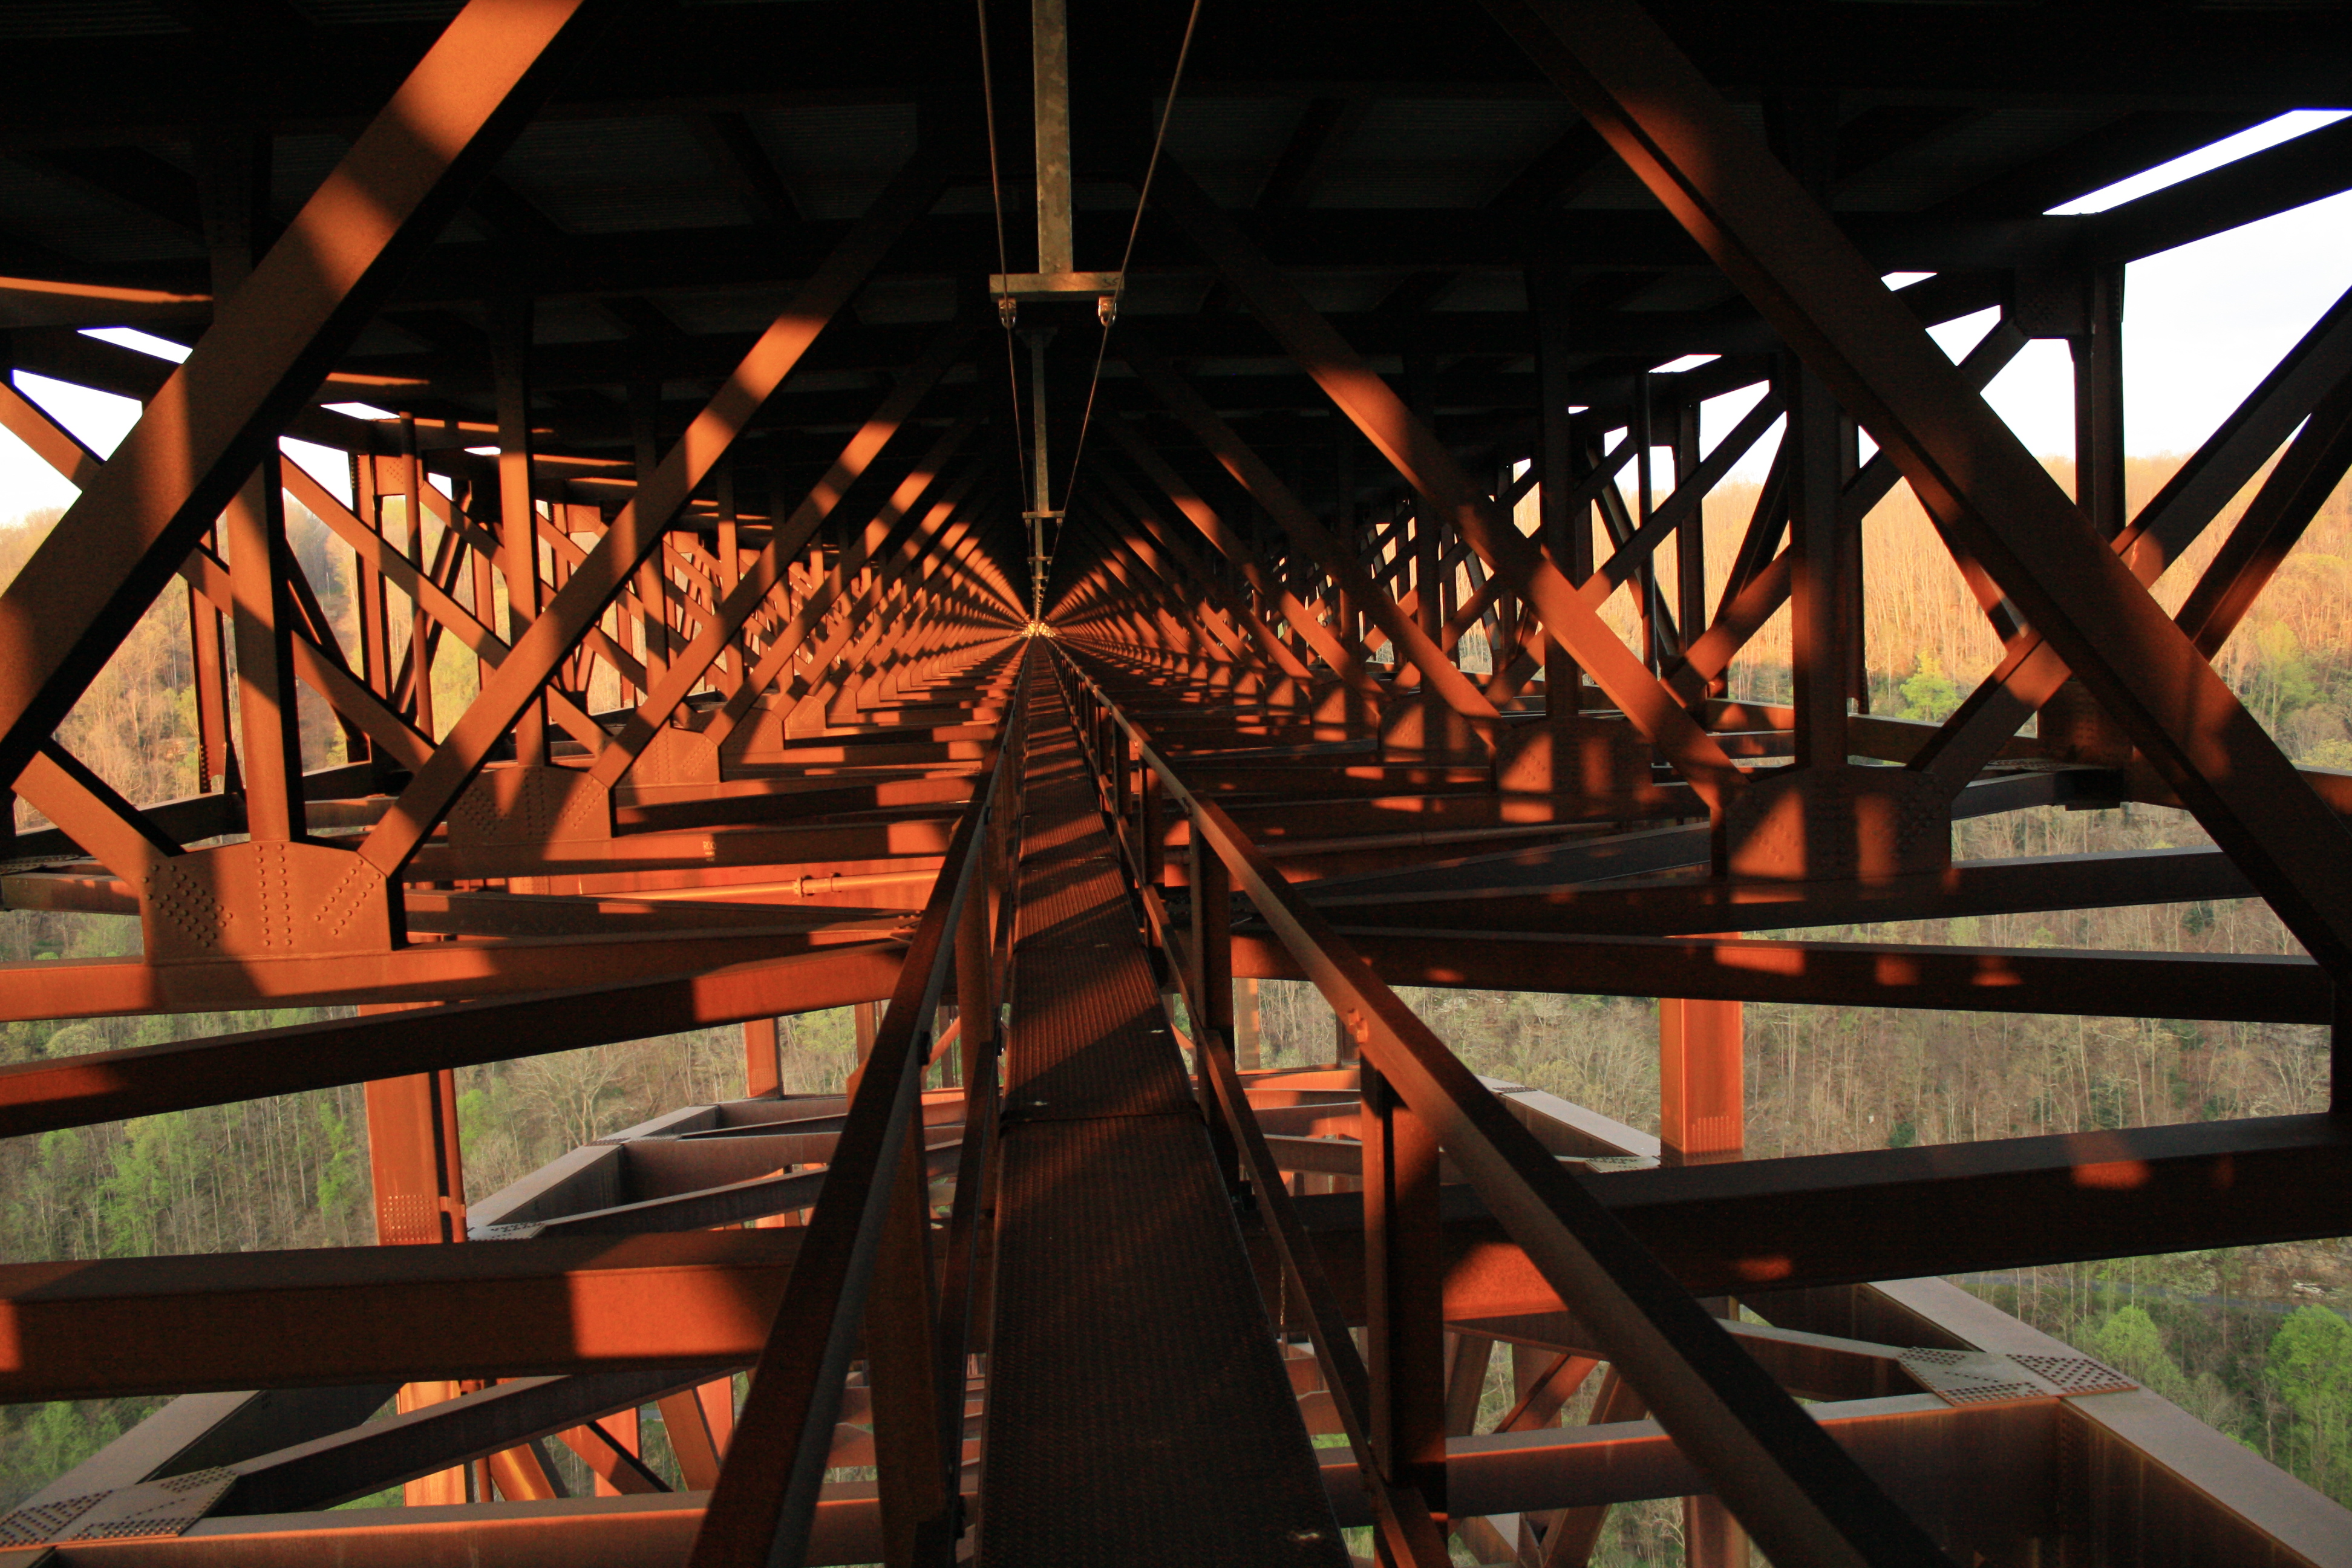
[[2202, 325]]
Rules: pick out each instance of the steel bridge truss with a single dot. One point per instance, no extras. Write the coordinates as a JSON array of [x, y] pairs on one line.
[[1063, 1274]]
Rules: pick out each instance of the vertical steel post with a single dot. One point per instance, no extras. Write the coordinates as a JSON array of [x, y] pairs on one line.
[[1404, 1267], [2339, 1054], [762, 1057], [1818, 614], [1702, 1119], [233, 182], [510, 331], [975, 982], [1049, 39], [1644, 438], [1427, 526], [1151, 859], [1690, 537], [417, 1174], [206, 629], [900, 1313], [1849, 466], [269, 722], [1249, 1032], [2098, 356], [484, 606], [1701, 1112], [420, 642], [729, 666], [412, 1157], [653, 583], [1567, 530], [1212, 989]]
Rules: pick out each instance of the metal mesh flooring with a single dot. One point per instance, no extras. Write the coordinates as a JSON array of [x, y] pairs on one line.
[[1089, 1039], [1138, 1413]]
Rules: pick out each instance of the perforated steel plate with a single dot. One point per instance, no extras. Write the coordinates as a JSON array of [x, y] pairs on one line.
[[1983, 1377], [162, 1507], [2075, 1374]]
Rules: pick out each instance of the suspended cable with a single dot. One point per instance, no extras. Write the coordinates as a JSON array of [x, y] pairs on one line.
[[1127, 258], [1003, 261]]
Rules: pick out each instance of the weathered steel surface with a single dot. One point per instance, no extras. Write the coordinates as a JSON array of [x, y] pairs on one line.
[[1133, 1373]]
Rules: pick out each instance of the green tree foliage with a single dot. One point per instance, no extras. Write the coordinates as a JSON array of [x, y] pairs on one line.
[[1929, 694], [2310, 1370], [2130, 1341], [38, 1441]]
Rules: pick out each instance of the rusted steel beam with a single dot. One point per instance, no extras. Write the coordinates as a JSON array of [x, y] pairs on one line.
[[88, 811], [644, 1532], [1407, 1531], [755, 1197], [1678, 906], [637, 531], [2249, 988], [2000, 1491], [1758, 1226], [2307, 473], [2151, 1476], [219, 414], [1804, 1498], [695, 1299], [1407, 441], [897, 516], [1773, 240], [431, 598], [1219, 609], [755, 586], [430, 970], [1403, 1295], [232, 180], [1203, 517], [703, 1297], [765, 1505], [708, 906], [330, 1470], [415, 1172], [1269, 647], [105, 1086]]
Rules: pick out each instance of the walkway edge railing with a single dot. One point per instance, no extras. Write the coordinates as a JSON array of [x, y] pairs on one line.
[[765, 1502], [1802, 1498]]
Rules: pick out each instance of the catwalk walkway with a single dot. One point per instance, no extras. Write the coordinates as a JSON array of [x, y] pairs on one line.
[[1138, 1413]]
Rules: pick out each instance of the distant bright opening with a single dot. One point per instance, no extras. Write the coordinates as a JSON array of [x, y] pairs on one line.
[[2295, 122], [142, 343]]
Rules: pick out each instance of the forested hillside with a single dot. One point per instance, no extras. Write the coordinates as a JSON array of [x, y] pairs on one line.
[[2251, 1340]]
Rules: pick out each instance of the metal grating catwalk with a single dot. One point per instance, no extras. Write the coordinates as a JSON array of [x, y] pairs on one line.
[[1137, 1411]]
